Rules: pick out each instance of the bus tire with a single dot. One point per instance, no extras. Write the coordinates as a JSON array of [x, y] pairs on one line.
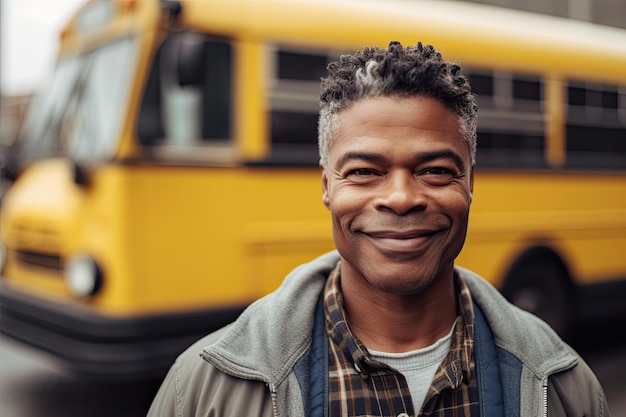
[[538, 282]]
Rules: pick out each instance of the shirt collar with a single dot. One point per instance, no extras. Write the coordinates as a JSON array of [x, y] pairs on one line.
[[338, 329]]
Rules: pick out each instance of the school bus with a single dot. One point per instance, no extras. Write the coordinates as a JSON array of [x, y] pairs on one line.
[[168, 175]]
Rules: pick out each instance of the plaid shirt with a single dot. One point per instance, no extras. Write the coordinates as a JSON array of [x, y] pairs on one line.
[[361, 386]]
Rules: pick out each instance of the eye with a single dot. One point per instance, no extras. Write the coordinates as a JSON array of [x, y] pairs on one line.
[[362, 175], [438, 175], [364, 172], [438, 171]]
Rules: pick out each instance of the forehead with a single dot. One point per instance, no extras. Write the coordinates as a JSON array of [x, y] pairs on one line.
[[398, 126]]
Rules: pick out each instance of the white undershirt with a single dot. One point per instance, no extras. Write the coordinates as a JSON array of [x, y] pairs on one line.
[[417, 366]]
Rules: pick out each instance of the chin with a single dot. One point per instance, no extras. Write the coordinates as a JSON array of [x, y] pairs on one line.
[[401, 282]]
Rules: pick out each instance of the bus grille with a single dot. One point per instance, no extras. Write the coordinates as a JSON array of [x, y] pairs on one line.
[[40, 260]]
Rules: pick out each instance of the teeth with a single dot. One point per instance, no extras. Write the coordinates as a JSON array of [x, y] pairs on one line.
[[401, 236]]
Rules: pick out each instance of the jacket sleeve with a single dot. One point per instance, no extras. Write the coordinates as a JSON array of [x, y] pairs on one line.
[[167, 402], [576, 392]]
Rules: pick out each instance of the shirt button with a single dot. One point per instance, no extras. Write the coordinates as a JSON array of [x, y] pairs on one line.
[[403, 415]]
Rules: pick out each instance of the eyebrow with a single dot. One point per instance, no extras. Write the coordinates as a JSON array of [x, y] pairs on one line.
[[443, 154], [420, 157], [359, 156]]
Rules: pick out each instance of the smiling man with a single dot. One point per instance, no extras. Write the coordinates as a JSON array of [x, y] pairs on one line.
[[398, 183], [387, 325]]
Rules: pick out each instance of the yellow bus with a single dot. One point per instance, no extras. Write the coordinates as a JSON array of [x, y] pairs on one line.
[[168, 175]]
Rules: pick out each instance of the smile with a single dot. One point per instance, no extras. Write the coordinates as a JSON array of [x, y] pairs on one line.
[[412, 241]]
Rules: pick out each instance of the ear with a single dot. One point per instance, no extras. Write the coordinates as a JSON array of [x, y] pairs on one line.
[[325, 198], [471, 184]]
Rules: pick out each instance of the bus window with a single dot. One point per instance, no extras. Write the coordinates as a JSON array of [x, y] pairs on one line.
[[511, 128], [39, 137], [482, 86], [78, 116], [595, 131], [527, 90], [295, 104], [187, 101], [93, 122]]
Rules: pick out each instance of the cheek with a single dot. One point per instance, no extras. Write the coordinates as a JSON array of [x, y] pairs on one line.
[[344, 201], [346, 208], [453, 199]]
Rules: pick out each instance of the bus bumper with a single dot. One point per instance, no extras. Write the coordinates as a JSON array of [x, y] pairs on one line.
[[105, 348]]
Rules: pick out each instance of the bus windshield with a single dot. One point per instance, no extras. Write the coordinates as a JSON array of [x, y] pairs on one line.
[[79, 114]]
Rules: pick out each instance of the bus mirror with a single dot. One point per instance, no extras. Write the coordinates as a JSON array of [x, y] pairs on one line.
[[10, 168], [79, 174], [191, 60], [172, 8], [8, 172]]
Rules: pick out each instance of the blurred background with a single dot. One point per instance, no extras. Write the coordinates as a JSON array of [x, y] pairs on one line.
[[33, 384], [30, 29]]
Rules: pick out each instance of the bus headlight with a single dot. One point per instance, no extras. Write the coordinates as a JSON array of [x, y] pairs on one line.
[[83, 276]]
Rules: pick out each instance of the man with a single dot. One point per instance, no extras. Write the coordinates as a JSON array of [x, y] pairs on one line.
[[387, 325]]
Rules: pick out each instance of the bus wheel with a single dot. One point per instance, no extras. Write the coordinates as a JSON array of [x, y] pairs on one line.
[[542, 287]]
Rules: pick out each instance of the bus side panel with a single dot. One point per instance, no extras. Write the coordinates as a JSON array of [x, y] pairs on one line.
[[201, 238], [582, 214]]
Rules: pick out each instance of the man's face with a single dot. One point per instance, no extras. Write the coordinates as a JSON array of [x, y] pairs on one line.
[[398, 186]]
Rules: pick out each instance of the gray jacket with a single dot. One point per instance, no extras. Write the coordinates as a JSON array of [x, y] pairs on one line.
[[251, 367]]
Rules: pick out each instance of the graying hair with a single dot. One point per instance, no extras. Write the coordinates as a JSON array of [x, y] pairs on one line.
[[400, 72]]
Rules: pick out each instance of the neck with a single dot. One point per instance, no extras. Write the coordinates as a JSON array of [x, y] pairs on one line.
[[395, 323]]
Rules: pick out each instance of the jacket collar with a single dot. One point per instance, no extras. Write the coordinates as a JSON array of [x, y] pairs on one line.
[[258, 345], [522, 334]]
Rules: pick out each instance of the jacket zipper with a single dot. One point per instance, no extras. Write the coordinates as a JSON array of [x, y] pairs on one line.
[[545, 397], [223, 367], [274, 402]]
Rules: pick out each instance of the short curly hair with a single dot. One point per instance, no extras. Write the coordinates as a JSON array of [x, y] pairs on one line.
[[395, 71]]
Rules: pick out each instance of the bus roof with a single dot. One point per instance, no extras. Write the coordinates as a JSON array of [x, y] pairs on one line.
[[474, 34]]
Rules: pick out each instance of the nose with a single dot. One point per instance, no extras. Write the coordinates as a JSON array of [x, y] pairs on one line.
[[402, 193]]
